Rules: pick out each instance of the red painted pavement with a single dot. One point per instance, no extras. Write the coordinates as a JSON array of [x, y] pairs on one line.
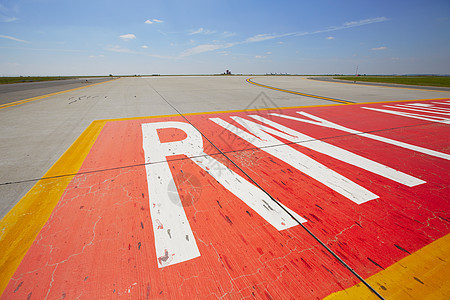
[[99, 241]]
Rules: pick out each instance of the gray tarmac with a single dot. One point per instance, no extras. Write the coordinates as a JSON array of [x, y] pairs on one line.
[[35, 134], [23, 90]]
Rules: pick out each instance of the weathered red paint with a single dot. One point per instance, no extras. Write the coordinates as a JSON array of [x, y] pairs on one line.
[[99, 243]]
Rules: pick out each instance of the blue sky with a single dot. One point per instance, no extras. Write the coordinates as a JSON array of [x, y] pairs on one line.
[[101, 37]]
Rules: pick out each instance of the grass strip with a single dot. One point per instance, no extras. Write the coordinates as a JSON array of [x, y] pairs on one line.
[[440, 81]]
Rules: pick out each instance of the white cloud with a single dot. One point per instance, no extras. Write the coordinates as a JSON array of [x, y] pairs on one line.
[[144, 47], [330, 38], [5, 14], [202, 31], [117, 48], [268, 53], [128, 36], [216, 45], [153, 21], [346, 25], [6, 19], [96, 56], [260, 38], [365, 22], [266, 36], [204, 48], [13, 38], [379, 48], [227, 34]]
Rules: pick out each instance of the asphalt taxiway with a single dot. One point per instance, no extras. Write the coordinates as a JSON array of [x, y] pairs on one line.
[[24, 90]]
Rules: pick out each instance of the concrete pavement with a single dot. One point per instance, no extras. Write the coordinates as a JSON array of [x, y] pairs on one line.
[[35, 135], [23, 90]]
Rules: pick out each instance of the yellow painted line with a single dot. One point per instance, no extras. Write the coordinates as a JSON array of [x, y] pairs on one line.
[[363, 83], [249, 80], [422, 275], [20, 227], [49, 95]]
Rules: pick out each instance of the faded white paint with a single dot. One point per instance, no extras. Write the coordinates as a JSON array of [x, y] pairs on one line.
[[428, 110], [174, 240], [344, 155], [298, 160], [322, 122], [251, 195], [427, 107], [411, 115]]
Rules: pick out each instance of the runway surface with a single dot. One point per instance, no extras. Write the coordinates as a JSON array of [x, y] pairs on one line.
[[18, 91], [210, 187]]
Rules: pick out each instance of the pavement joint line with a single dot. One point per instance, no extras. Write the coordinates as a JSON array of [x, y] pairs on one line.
[[249, 80], [18, 102]]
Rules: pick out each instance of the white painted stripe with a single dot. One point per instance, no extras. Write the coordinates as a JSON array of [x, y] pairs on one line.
[[298, 160], [419, 104], [251, 195], [174, 240], [429, 107], [411, 115], [344, 155], [322, 122], [423, 110]]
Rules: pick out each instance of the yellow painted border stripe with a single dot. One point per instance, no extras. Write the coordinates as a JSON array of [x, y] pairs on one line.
[[49, 95], [249, 80], [20, 227], [422, 275]]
